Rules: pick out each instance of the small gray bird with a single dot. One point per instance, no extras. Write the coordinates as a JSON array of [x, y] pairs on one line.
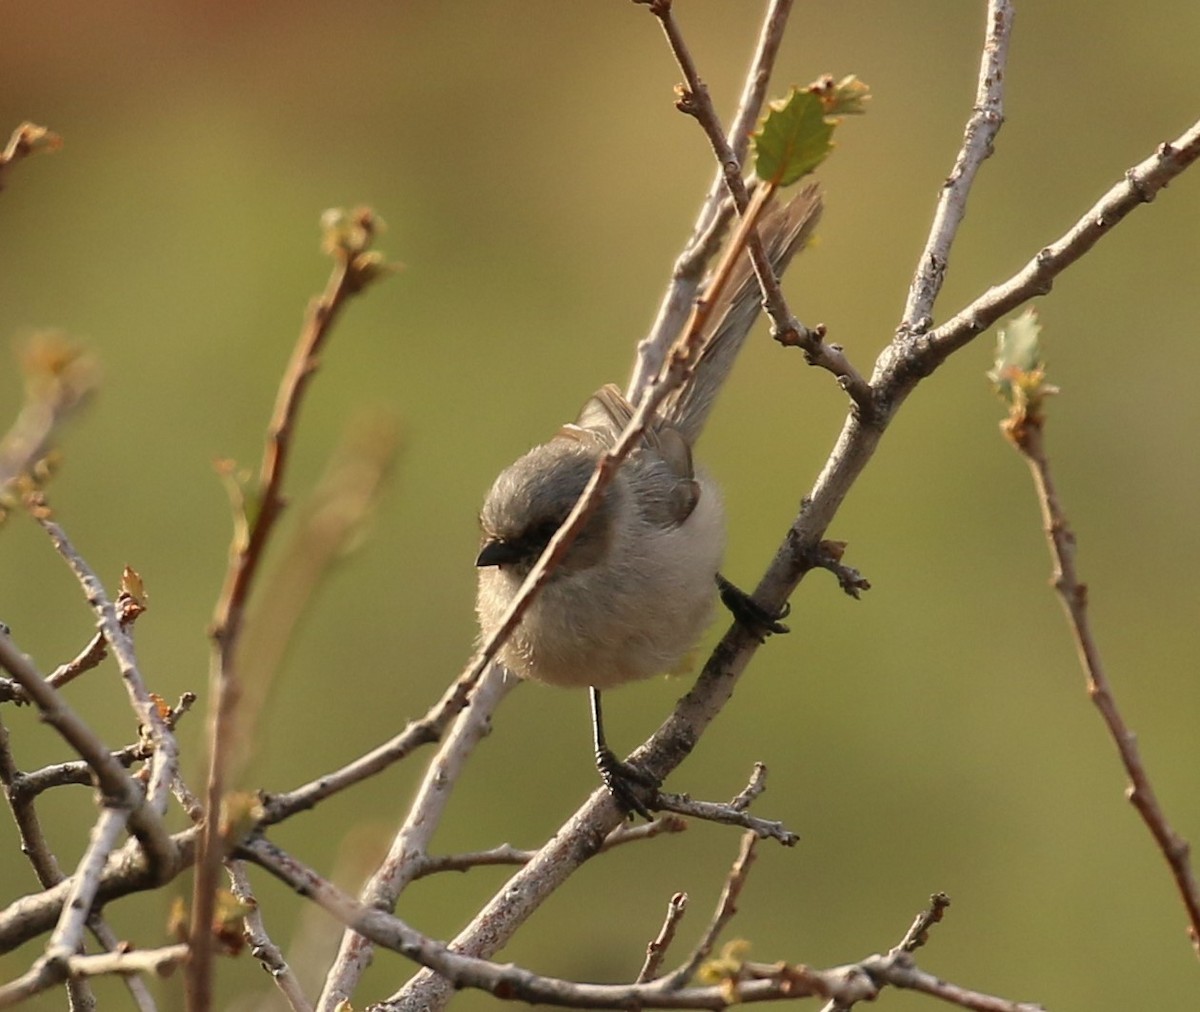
[[636, 589]]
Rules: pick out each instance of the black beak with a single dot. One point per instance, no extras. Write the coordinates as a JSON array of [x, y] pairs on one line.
[[497, 553]]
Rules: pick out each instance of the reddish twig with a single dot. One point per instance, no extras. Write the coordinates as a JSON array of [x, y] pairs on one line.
[[695, 101], [355, 266], [1024, 430], [713, 216]]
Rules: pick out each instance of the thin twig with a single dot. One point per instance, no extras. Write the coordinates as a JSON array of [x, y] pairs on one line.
[[753, 789], [978, 140], [1025, 433], [128, 611], [694, 100], [118, 788], [26, 786], [725, 911], [507, 854], [727, 815], [29, 828], [656, 949], [1140, 185], [127, 871], [165, 761], [918, 932], [138, 991], [915, 937], [706, 233], [354, 267], [262, 947]]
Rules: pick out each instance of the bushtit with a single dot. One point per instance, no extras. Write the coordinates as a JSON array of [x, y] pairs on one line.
[[636, 589]]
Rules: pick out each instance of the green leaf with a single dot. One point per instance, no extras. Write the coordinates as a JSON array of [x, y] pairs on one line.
[[1019, 375], [794, 138], [1018, 355]]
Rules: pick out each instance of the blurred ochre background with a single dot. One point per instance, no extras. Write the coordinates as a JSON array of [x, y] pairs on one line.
[[537, 183]]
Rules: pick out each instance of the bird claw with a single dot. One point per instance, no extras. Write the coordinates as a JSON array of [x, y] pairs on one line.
[[631, 787], [749, 613]]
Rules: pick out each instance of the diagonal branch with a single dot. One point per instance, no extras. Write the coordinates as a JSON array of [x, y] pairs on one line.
[[1026, 435], [689, 268], [694, 100], [1140, 185], [978, 139]]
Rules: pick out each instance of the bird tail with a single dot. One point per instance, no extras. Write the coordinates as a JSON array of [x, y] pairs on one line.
[[784, 232]]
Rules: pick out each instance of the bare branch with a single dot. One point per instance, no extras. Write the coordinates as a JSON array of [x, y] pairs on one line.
[[261, 946], [160, 962], [725, 912], [848, 984], [727, 814], [507, 854], [1140, 185], [978, 139], [118, 788], [127, 871], [426, 730], [656, 950]]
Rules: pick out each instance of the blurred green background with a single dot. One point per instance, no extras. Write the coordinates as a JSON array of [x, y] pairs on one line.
[[537, 183]]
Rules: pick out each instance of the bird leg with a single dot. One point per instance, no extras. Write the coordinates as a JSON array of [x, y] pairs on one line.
[[628, 784]]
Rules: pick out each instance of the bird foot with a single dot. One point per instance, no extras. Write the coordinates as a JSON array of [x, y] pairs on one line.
[[631, 787], [749, 613]]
